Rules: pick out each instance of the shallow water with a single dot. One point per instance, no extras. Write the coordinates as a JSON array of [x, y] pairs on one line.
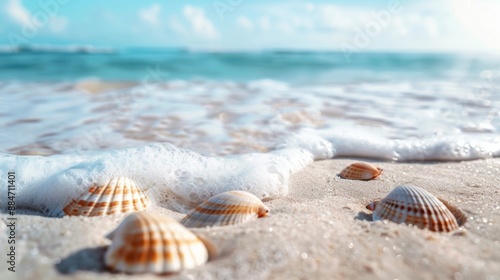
[[63, 101], [221, 118], [232, 121]]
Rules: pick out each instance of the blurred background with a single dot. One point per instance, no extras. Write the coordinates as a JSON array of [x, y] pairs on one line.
[[234, 76]]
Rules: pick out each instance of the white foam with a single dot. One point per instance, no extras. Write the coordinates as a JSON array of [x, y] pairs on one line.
[[439, 148], [172, 176]]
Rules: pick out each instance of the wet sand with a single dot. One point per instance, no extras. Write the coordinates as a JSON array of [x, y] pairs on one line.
[[321, 230]]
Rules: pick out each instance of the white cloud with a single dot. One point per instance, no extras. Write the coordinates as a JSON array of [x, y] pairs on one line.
[[431, 26], [480, 18], [302, 23], [310, 7], [244, 22], [285, 27], [312, 17], [18, 12], [200, 24], [22, 16], [176, 25], [264, 23], [334, 18], [151, 14], [400, 25], [58, 24]]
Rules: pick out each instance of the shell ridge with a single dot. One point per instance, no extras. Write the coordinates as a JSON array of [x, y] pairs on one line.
[[457, 213], [133, 193], [233, 216], [448, 219], [110, 198], [151, 256], [95, 199], [125, 198], [435, 215], [142, 197], [417, 200], [236, 215], [191, 254], [92, 199]]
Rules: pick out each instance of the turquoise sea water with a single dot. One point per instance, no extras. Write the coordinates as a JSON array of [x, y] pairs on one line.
[[39, 64]]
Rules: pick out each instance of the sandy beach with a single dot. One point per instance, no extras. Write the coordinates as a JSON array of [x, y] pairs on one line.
[[158, 106], [321, 230]]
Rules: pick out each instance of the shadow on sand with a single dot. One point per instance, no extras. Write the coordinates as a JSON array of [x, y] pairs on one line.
[[89, 259], [363, 216]]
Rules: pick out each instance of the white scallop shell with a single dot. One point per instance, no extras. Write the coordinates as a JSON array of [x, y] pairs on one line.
[[150, 243], [227, 208], [415, 206], [118, 195]]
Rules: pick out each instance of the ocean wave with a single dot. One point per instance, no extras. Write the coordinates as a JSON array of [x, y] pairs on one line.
[[53, 49]]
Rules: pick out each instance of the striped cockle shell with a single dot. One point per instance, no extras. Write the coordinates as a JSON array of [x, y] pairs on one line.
[[118, 195], [228, 208], [415, 206], [151, 243], [360, 171]]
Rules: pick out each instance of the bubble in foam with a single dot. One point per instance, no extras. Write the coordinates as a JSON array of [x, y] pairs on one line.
[[182, 175], [193, 196], [272, 169], [199, 181]]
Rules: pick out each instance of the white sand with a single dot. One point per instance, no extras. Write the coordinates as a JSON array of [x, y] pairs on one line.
[[321, 230]]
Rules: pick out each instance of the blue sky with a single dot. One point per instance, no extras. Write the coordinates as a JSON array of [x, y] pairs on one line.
[[375, 25]]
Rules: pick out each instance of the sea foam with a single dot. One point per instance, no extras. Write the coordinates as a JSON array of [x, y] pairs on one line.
[[179, 178], [445, 148], [171, 176]]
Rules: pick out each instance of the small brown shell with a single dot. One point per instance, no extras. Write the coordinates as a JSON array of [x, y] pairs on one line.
[[151, 243], [360, 171], [227, 208], [118, 195], [415, 206]]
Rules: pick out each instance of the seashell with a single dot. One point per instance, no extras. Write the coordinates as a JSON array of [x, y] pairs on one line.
[[227, 208], [118, 195], [150, 243], [360, 171], [459, 215], [415, 206]]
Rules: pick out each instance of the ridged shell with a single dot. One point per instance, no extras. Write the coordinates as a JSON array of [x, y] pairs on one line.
[[459, 215], [415, 206], [118, 195], [360, 171], [150, 243], [227, 208]]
